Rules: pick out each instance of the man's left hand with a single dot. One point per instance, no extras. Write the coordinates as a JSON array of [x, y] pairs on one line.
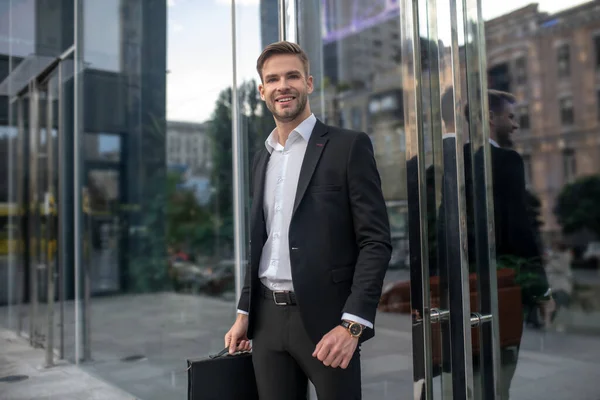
[[336, 348], [547, 307]]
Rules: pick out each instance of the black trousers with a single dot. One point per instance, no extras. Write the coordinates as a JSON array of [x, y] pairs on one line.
[[283, 361]]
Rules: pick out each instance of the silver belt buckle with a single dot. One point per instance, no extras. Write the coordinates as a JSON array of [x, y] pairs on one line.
[[275, 298]]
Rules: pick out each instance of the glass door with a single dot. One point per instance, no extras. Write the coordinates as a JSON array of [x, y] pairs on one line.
[[454, 279], [405, 72], [38, 121], [102, 225]]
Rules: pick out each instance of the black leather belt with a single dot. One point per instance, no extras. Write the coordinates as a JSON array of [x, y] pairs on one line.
[[279, 297]]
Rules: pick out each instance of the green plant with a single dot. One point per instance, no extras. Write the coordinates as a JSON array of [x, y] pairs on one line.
[[577, 205], [532, 283]]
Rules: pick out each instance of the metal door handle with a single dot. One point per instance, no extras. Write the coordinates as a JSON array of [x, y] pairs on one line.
[[477, 319], [437, 315]]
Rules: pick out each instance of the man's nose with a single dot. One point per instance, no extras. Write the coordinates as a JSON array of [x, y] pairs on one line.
[[283, 84]]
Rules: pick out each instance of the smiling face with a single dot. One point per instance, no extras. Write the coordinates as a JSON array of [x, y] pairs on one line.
[[286, 87], [503, 124]]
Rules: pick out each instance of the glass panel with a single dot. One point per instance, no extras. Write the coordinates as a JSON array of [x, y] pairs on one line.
[[157, 247], [104, 147], [102, 227], [543, 176], [355, 62], [66, 160]]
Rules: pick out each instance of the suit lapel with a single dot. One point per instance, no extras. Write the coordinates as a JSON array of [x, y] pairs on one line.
[[314, 149], [258, 214]]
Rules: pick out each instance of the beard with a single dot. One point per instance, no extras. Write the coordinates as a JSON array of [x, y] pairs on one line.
[[291, 113], [505, 141]]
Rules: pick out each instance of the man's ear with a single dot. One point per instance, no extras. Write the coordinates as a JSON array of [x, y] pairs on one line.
[[310, 83], [261, 90]]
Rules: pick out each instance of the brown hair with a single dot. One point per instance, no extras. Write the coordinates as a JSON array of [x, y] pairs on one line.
[[496, 101], [282, 47]]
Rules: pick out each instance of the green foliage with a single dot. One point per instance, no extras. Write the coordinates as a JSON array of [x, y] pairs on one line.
[[577, 206], [189, 224], [146, 245], [532, 283], [212, 231]]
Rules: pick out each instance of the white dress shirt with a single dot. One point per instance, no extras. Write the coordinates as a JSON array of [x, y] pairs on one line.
[[453, 135], [494, 143], [281, 183]]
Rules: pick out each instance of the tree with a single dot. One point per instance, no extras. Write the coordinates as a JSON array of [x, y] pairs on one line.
[[256, 123], [189, 224], [577, 206]]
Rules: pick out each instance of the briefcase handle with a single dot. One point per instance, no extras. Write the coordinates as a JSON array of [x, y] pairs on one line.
[[225, 351]]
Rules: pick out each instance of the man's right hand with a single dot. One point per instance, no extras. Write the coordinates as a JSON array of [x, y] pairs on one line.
[[237, 337]]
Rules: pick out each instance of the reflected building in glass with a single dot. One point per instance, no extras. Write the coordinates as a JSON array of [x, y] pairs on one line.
[[550, 62]]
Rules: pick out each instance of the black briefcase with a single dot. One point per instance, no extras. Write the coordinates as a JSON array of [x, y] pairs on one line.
[[222, 377]]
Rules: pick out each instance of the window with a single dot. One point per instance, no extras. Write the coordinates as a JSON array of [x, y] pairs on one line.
[[528, 170], [569, 165], [564, 60], [523, 117], [499, 77], [567, 115], [521, 70]]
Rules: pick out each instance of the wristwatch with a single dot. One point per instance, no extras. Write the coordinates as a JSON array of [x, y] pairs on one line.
[[355, 329]]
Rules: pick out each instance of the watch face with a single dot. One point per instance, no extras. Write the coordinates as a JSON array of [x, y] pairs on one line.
[[355, 329]]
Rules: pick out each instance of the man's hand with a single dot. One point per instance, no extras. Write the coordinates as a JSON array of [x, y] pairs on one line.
[[336, 348], [547, 307], [237, 337]]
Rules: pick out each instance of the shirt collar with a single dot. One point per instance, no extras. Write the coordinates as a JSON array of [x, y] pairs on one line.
[[453, 135], [304, 129]]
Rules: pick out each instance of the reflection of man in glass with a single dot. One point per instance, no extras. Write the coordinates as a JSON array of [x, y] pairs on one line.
[[320, 244], [515, 241], [503, 121]]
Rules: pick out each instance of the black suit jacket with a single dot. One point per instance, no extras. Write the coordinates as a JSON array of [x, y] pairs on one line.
[[339, 233], [514, 230]]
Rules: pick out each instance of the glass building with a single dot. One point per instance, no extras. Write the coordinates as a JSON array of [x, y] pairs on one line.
[[126, 133]]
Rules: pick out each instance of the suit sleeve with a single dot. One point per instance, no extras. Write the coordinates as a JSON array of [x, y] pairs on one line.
[[522, 234], [244, 301], [371, 228]]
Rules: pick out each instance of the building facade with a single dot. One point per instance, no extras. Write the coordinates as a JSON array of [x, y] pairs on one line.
[[188, 145], [550, 62]]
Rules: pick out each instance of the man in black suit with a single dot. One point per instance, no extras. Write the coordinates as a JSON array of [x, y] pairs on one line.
[[515, 240], [514, 231], [320, 244]]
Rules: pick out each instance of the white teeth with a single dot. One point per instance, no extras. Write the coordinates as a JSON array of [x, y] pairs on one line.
[[286, 99]]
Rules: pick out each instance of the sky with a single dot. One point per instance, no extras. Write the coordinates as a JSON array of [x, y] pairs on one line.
[[200, 52]]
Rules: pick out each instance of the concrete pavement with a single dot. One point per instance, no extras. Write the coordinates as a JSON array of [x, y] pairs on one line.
[[25, 378], [139, 343]]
